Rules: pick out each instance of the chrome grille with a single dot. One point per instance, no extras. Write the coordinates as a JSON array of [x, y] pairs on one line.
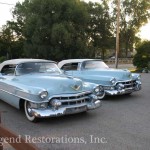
[[128, 84], [73, 99]]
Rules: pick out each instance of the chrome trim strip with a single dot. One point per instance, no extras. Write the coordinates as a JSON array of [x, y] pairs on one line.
[[23, 97]]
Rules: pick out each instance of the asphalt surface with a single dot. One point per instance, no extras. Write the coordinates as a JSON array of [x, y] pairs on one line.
[[122, 123]]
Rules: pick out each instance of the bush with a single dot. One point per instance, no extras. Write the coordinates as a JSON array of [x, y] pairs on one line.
[[142, 59]]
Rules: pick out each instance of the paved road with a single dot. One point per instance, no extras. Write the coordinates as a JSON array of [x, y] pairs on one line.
[[122, 123]]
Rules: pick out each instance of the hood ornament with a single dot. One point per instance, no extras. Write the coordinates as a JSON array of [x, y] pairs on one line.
[[76, 87]]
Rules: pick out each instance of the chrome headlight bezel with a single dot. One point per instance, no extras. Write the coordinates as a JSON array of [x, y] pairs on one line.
[[99, 92], [98, 89], [113, 80], [139, 77], [43, 94]]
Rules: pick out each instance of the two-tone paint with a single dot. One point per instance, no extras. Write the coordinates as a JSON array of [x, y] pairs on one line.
[[45, 94]]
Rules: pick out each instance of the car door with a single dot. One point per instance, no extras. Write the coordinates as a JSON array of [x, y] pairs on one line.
[[7, 85], [75, 70]]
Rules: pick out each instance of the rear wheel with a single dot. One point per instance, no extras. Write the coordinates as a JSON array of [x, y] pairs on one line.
[[27, 109]]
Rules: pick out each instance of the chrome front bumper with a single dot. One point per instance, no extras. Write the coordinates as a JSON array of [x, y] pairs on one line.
[[116, 92], [49, 112], [125, 90]]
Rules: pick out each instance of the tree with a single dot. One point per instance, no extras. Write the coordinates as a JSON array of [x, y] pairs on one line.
[[99, 30], [10, 45], [53, 29], [142, 58]]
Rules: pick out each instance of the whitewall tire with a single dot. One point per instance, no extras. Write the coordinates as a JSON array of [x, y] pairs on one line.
[[27, 109]]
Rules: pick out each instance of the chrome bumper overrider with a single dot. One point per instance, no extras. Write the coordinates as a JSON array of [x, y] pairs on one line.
[[51, 112], [116, 92], [124, 90]]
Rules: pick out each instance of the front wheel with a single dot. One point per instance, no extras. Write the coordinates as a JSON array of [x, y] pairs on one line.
[[101, 95], [27, 108]]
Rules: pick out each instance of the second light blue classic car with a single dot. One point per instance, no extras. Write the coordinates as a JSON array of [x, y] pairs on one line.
[[39, 87], [114, 81]]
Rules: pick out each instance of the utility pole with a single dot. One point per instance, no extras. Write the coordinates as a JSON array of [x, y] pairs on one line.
[[117, 33]]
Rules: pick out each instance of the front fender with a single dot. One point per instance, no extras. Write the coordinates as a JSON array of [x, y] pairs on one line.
[[136, 76], [29, 93]]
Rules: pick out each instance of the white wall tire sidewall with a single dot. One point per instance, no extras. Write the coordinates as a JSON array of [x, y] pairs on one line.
[[102, 97], [30, 118]]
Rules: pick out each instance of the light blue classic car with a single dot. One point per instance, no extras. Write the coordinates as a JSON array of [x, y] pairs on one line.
[[113, 81], [39, 87]]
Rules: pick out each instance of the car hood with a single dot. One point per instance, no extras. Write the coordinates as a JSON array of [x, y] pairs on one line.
[[54, 84], [103, 76], [119, 74]]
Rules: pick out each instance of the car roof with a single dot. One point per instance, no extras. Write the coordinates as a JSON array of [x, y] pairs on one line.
[[61, 63], [22, 60]]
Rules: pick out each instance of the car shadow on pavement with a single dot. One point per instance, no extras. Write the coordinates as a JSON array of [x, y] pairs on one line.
[[72, 117], [126, 97]]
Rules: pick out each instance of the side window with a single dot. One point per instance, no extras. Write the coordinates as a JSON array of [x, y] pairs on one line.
[[71, 66], [8, 70]]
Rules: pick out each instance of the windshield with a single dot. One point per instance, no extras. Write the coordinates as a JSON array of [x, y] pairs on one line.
[[37, 67], [94, 65]]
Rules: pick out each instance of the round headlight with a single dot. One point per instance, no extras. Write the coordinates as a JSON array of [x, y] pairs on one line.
[[113, 80], [139, 77], [99, 92], [43, 94], [96, 90], [101, 88]]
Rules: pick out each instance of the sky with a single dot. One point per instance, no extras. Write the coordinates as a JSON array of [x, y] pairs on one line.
[[5, 14]]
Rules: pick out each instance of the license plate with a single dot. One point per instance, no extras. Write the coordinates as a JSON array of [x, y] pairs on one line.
[[76, 110]]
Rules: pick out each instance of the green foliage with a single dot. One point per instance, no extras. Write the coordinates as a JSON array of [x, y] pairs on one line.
[[10, 44], [2, 58], [53, 29], [142, 58], [62, 29], [99, 30]]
